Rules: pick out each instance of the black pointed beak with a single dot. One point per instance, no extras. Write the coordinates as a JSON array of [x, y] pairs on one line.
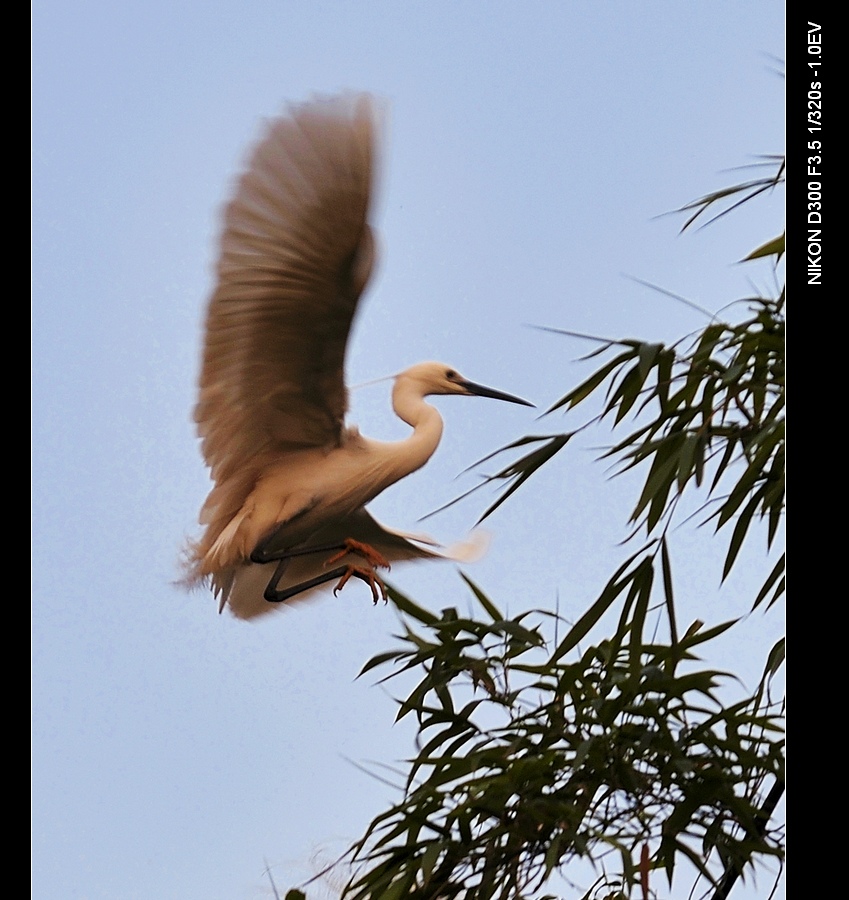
[[480, 391]]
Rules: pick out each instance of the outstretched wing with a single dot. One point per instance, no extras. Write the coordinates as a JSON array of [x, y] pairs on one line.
[[296, 253]]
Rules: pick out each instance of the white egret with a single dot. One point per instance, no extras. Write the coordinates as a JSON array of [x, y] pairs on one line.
[[290, 480]]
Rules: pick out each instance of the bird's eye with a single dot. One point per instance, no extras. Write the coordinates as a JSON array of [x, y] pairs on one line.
[[450, 374]]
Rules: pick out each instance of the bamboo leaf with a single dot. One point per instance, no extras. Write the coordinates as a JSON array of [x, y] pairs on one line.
[[775, 247], [493, 611], [739, 533], [411, 609], [774, 575], [775, 659], [583, 390], [666, 568], [611, 591]]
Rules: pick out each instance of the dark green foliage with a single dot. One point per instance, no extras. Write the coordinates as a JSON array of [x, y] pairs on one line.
[[547, 760]]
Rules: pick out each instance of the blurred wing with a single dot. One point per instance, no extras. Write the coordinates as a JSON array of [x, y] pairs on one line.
[[296, 253]]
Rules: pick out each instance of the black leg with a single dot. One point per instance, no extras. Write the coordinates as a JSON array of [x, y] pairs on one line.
[[274, 596], [262, 556], [270, 588]]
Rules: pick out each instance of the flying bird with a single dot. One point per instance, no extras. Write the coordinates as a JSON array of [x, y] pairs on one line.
[[286, 513]]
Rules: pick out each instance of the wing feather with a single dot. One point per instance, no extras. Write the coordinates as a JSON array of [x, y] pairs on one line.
[[295, 254]]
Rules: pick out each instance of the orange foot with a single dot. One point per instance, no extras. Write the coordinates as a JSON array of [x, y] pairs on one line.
[[368, 553], [378, 588]]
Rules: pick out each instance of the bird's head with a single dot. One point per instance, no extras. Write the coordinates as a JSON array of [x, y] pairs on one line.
[[439, 378]]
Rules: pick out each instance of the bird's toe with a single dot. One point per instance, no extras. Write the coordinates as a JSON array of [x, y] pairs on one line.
[[373, 557]]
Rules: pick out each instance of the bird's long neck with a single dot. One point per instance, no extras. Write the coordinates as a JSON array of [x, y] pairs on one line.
[[409, 405]]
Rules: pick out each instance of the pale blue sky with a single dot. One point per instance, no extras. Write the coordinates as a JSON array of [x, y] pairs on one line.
[[529, 148]]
